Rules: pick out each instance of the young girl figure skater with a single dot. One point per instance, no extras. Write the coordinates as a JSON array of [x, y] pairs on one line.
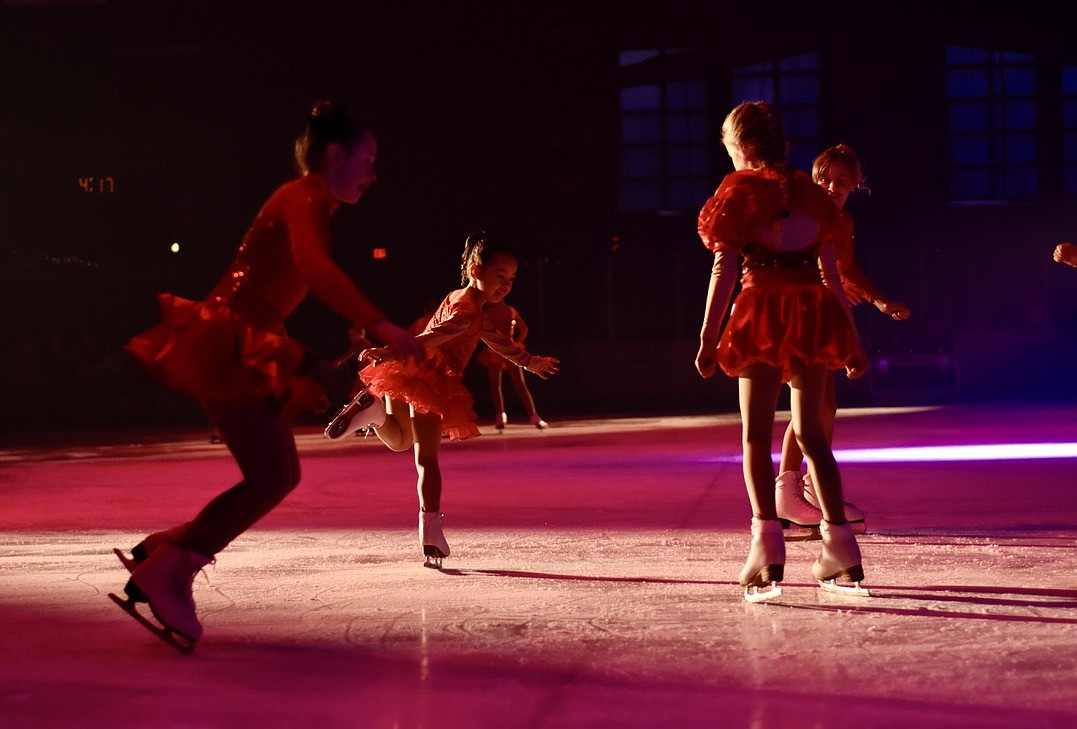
[[507, 320], [416, 403], [230, 351], [789, 324], [837, 170]]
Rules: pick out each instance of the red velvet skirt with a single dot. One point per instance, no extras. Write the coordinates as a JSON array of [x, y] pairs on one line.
[[430, 386], [784, 314], [212, 353]]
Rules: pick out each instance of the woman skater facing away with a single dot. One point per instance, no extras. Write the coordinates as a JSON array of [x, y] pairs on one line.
[[788, 324], [231, 353], [414, 404]]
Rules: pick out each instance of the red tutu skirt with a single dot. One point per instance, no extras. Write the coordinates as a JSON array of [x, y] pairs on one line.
[[779, 316], [213, 353], [430, 386]]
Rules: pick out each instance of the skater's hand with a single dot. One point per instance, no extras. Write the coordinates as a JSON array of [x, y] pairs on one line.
[[857, 365], [398, 340], [707, 359], [893, 309], [543, 366], [1066, 253], [375, 355]]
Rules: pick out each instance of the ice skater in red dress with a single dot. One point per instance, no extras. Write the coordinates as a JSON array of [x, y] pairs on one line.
[[791, 322], [837, 170], [508, 320], [415, 403], [230, 351]]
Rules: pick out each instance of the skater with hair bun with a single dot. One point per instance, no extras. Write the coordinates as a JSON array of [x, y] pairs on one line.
[[507, 320], [230, 351], [413, 404], [837, 170], [791, 322]]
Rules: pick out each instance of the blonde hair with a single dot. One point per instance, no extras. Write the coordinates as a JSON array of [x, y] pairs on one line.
[[758, 131]]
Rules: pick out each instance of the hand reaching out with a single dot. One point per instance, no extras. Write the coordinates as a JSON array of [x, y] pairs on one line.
[[1066, 253], [893, 309], [543, 366], [857, 365]]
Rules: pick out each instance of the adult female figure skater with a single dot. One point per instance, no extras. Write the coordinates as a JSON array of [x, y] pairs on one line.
[[788, 324], [230, 351], [837, 170], [415, 404], [507, 319]]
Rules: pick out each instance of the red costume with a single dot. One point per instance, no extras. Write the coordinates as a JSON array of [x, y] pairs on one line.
[[435, 385], [231, 346], [857, 284], [785, 309], [508, 321]]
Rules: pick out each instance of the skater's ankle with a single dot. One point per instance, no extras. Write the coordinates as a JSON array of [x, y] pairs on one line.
[[837, 522]]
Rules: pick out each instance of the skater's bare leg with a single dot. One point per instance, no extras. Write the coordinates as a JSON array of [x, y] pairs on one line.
[[516, 376], [396, 433], [792, 457], [427, 443], [264, 448], [497, 397], [759, 386], [808, 406]]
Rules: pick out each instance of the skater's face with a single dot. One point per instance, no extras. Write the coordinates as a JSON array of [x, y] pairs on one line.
[[838, 180], [350, 172], [494, 279]]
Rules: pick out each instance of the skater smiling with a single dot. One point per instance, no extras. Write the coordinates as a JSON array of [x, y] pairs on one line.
[[426, 400], [231, 353], [789, 323], [837, 170]]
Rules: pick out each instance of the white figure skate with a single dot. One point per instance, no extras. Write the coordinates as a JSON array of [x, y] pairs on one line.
[[432, 538], [365, 410], [538, 422], [799, 518], [164, 581], [840, 558], [765, 566], [853, 514]]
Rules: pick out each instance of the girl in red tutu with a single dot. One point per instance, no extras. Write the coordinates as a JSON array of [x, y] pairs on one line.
[[416, 403], [837, 170], [230, 351], [788, 324], [507, 320]]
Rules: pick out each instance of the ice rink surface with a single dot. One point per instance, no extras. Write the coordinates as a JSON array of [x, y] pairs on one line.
[[591, 583]]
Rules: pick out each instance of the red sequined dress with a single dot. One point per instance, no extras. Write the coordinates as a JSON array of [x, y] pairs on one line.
[[788, 306], [232, 346], [435, 385]]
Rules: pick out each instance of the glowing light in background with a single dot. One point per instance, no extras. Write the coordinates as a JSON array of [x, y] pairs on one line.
[[174, 248], [950, 453]]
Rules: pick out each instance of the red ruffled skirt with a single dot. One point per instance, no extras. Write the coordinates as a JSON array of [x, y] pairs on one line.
[[430, 386], [780, 315], [212, 353]]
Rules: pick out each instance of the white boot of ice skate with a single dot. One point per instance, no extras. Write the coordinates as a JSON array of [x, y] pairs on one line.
[[853, 514], [164, 580], [765, 566], [365, 410], [839, 559], [432, 538], [538, 422], [801, 518], [149, 545], [501, 420]]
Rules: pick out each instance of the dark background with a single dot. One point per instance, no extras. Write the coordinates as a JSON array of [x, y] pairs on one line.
[[501, 116]]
